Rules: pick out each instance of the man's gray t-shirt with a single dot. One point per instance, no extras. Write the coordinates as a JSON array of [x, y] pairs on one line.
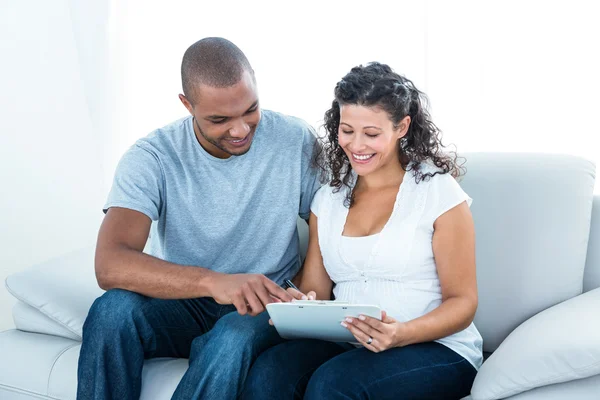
[[234, 215]]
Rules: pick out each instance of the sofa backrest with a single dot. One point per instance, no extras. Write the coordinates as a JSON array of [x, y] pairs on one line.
[[532, 220], [591, 278]]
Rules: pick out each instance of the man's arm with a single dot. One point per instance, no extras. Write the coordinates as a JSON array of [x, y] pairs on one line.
[[120, 263]]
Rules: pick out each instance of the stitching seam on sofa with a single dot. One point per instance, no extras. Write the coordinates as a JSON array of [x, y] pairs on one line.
[[54, 363], [28, 392]]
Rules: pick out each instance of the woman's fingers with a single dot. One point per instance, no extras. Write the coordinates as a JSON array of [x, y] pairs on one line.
[[296, 294], [370, 325], [362, 337]]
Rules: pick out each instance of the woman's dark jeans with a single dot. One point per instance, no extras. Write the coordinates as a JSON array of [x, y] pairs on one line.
[[315, 369]]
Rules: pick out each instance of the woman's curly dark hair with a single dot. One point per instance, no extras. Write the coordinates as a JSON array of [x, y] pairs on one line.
[[377, 85]]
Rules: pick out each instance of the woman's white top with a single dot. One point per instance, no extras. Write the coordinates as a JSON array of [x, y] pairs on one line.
[[394, 269]]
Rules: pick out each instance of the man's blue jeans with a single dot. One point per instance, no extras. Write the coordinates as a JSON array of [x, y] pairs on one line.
[[315, 369], [125, 328]]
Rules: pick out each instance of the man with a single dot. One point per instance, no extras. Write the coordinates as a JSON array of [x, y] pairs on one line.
[[224, 187]]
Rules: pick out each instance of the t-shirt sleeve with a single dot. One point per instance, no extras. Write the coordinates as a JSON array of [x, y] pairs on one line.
[[449, 194], [310, 175], [320, 197], [138, 183]]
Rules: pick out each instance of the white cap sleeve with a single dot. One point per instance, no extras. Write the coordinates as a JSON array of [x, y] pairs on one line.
[[448, 194], [320, 197]]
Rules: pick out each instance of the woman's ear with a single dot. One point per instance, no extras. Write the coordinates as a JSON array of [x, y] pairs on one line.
[[403, 127]]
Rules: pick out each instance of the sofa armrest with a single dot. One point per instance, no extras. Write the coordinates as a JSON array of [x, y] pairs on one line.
[[559, 344], [63, 289]]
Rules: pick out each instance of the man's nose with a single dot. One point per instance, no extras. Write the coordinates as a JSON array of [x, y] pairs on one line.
[[239, 129]]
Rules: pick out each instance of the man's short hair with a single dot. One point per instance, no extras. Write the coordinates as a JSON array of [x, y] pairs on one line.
[[214, 62]]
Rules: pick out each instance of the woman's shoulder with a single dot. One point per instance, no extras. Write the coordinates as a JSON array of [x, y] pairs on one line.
[[444, 191], [327, 193], [420, 177], [431, 175]]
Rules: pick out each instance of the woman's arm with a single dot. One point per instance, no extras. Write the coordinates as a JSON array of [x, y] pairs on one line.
[[313, 276]]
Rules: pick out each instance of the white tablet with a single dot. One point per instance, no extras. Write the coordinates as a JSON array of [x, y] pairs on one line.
[[317, 319]]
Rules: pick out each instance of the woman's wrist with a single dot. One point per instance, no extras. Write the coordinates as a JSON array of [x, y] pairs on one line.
[[404, 334]]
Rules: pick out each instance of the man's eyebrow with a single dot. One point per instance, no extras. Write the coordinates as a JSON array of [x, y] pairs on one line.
[[252, 106], [223, 116]]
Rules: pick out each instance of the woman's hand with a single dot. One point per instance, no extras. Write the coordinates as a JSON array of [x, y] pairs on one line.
[[376, 335], [298, 295]]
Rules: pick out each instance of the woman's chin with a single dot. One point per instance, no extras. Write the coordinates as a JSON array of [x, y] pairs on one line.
[[363, 170]]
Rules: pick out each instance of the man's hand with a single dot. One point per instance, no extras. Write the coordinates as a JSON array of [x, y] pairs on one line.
[[298, 295], [249, 293]]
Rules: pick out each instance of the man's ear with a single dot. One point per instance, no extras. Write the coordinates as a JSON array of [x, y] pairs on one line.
[[403, 127], [186, 103]]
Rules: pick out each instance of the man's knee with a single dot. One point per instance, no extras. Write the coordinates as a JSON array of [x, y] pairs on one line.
[[115, 310], [237, 336]]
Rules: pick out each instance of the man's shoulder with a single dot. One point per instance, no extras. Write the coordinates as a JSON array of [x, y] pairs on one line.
[[278, 121], [167, 139]]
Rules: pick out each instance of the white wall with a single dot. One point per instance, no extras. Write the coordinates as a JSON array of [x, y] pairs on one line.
[[516, 75], [501, 76], [50, 169]]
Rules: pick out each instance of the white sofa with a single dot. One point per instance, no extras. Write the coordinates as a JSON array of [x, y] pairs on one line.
[[539, 299]]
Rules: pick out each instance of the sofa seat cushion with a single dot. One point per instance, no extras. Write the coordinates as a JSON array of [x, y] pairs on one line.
[[557, 345], [63, 289], [29, 361], [44, 366]]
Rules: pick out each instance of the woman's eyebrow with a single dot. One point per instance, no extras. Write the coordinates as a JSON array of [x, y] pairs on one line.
[[365, 127]]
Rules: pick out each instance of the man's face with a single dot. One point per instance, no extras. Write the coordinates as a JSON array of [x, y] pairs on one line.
[[225, 118]]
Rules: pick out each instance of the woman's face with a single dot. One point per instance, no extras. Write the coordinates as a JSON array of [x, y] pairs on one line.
[[368, 137]]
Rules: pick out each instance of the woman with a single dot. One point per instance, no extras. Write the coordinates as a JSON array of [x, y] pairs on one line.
[[393, 228]]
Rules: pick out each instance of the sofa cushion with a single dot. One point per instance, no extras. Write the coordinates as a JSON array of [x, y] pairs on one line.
[[43, 366], [29, 319], [28, 362], [581, 389], [63, 289], [558, 345], [532, 219]]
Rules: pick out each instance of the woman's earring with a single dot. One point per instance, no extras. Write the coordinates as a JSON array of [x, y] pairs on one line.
[[403, 142]]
